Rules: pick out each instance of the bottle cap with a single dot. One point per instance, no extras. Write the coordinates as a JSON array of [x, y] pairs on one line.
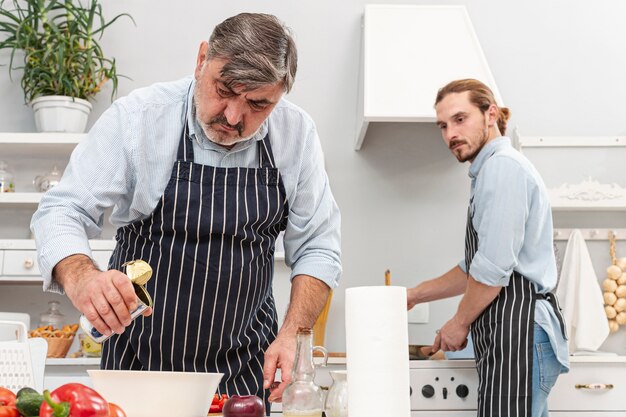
[[138, 271]]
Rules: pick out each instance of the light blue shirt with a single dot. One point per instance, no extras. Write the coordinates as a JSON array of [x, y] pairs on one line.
[[127, 159], [513, 220]]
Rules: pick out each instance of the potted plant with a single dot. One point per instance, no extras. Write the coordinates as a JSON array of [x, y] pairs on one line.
[[55, 43]]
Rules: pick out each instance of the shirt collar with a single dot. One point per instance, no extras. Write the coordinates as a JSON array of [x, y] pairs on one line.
[[485, 153], [196, 132]]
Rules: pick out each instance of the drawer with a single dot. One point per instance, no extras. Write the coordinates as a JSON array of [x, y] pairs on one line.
[[566, 397], [20, 263], [101, 257]]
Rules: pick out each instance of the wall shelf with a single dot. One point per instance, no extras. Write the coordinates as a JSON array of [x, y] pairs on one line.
[[73, 361], [590, 234], [29, 244], [571, 141], [406, 58], [20, 198], [41, 138]]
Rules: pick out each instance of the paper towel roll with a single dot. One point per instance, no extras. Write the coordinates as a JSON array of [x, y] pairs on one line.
[[377, 351]]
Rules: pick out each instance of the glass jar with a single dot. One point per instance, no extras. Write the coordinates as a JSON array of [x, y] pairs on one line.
[[43, 183], [302, 397], [337, 398], [88, 346], [6, 179], [53, 317]]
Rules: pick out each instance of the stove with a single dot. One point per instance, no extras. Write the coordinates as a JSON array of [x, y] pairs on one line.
[[443, 388]]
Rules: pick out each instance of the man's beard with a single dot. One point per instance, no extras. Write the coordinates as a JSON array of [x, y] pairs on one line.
[[216, 137], [471, 156]]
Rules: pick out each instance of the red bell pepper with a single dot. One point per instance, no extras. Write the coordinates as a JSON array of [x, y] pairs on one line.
[[7, 403], [73, 400]]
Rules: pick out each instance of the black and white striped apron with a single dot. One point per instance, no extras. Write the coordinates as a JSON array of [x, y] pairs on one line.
[[210, 242], [503, 342]]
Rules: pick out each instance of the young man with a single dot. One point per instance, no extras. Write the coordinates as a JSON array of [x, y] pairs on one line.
[[509, 270], [202, 174]]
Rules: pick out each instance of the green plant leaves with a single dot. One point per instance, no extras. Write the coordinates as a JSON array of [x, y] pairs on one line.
[[59, 43]]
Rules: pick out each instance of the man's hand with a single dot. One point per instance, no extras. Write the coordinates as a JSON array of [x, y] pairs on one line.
[[452, 336], [308, 296], [279, 354], [105, 298], [478, 296]]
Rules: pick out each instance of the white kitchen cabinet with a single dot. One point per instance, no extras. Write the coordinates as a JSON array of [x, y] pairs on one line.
[[595, 385], [18, 259], [21, 263], [29, 155]]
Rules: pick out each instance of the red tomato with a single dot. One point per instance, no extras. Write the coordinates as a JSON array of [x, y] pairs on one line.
[[7, 403]]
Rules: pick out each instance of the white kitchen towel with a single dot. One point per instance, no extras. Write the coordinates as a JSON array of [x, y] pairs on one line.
[[581, 297]]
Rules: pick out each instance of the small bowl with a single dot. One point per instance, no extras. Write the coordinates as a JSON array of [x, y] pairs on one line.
[[154, 393], [58, 346]]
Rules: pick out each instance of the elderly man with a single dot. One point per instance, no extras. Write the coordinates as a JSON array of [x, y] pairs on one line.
[[202, 174]]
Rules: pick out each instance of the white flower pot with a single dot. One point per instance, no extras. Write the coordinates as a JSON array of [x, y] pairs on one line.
[[60, 114]]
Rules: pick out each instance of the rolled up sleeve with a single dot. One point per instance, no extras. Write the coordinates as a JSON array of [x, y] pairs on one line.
[[313, 238]]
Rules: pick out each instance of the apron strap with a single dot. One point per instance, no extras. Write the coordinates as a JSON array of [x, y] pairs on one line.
[[266, 156], [185, 146], [554, 302]]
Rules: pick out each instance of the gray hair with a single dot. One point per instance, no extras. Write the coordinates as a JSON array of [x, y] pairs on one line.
[[258, 48]]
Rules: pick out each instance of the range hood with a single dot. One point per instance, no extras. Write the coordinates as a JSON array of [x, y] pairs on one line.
[[409, 52]]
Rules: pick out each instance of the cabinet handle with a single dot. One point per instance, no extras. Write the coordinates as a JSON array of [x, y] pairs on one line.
[[29, 263], [594, 386]]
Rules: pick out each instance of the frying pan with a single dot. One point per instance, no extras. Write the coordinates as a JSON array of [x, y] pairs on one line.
[[422, 352]]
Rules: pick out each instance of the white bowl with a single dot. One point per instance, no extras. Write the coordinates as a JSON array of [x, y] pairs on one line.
[[157, 394]]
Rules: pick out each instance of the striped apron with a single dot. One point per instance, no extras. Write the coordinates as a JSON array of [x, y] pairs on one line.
[[210, 243], [503, 342]]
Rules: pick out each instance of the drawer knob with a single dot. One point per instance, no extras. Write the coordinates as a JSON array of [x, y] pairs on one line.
[[29, 263], [594, 386]]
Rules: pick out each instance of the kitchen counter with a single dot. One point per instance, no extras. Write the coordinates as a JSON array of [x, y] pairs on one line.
[[470, 363]]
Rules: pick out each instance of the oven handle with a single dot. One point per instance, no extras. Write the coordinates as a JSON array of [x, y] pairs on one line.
[[594, 386]]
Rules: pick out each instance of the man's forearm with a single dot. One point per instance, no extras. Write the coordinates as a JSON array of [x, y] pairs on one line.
[[450, 284], [477, 297], [308, 297], [70, 269]]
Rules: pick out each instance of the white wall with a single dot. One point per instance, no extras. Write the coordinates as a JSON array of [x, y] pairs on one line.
[[559, 66]]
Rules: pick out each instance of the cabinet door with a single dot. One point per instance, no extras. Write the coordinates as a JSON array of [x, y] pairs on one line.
[[566, 397], [20, 263]]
